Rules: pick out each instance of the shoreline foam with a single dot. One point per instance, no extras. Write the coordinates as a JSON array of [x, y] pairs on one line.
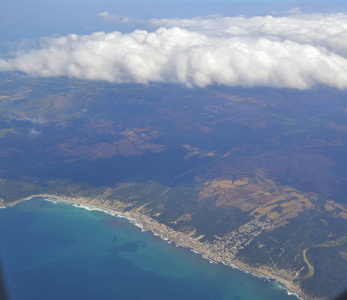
[[264, 274]]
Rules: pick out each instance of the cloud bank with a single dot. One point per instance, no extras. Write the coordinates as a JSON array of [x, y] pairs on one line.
[[298, 51]]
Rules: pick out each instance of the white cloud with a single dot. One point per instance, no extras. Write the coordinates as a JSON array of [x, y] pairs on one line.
[[295, 10], [33, 133], [113, 18], [37, 120], [326, 30], [299, 51]]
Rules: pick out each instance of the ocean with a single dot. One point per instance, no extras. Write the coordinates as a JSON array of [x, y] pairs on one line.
[[52, 251]]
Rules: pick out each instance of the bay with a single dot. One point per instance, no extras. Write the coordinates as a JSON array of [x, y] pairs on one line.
[[57, 251]]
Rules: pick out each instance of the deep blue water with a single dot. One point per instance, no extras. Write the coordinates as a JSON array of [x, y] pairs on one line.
[[58, 251]]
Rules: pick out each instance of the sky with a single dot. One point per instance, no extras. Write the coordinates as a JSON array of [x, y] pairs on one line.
[[27, 19], [197, 43]]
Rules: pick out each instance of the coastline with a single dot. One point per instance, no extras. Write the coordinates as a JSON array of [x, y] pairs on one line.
[[166, 233]]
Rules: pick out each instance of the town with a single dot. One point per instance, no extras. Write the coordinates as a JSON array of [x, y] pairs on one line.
[[221, 250]]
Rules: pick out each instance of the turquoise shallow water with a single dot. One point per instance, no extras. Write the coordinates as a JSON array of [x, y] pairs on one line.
[[58, 251]]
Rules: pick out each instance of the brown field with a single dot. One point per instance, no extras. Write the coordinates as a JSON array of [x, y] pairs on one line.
[[105, 151], [330, 205], [243, 204], [189, 147], [149, 147], [3, 132], [246, 190], [280, 197], [210, 154], [283, 223], [289, 203], [289, 209], [127, 148], [81, 150], [190, 154], [123, 147], [343, 254], [259, 198], [206, 129], [288, 189], [222, 201], [195, 151], [127, 132], [262, 210], [192, 151], [243, 181], [142, 206], [139, 138], [223, 184], [288, 216], [268, 197], [186, 217], [340, 207], [239, 193], [273, 215], [307, 203], [139, 130]]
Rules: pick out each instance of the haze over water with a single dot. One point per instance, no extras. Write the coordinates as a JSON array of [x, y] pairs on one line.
[[58, 251]]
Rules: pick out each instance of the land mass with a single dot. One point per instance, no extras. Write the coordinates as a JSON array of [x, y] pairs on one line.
[[253, 178]]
